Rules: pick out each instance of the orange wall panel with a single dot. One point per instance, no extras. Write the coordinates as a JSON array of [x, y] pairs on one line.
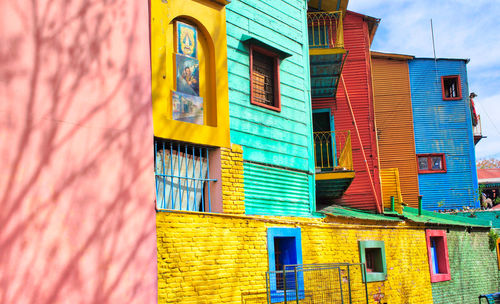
[[394, 120]]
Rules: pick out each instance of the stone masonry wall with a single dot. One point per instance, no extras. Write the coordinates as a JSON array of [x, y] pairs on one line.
[[232, 180], [473, 267], [209, 258]]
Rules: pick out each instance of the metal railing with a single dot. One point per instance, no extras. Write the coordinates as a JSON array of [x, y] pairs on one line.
[[182, 174], [325, 29], [317, 283], [333, 151]]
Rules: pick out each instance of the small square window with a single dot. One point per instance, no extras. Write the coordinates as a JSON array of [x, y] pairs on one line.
[[264, 78], [431, 163], [372, 254], [451, 87], [437, 250]]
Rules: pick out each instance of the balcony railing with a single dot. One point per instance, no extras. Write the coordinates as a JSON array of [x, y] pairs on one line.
[[325, 29], [333, 151]]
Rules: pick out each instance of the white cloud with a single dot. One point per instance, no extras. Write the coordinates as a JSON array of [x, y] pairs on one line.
[[462, 29]]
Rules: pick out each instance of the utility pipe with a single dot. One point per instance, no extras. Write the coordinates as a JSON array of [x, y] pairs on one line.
[[420, 205]]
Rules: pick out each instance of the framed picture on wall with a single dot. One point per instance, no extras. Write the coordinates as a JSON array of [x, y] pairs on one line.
[[187, 41], [188, 75], [187, 108]]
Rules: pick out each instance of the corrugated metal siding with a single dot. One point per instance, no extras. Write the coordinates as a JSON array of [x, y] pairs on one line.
[[357, 76], [277, 138], [276, 191], [443, 127], [394, 120], [391, 187]]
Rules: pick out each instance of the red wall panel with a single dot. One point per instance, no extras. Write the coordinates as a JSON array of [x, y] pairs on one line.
[[357, 77]]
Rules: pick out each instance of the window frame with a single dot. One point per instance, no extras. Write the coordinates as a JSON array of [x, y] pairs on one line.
[[202, 193], [272, 233], [373, 276], [442, 256], [498, 252], [276, 81], [459, 87], [429, 163]]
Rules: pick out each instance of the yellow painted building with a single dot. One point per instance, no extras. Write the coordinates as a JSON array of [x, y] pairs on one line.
[[209, 20]]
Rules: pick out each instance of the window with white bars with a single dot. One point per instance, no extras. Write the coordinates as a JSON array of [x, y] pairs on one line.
[[182, 175]]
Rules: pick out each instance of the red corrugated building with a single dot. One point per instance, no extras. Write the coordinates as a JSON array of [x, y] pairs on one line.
[[355, 92]]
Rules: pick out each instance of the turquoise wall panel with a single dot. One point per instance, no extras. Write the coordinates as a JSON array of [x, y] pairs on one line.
[[269, 137], [273, 139], [443, 126], [277, 191]]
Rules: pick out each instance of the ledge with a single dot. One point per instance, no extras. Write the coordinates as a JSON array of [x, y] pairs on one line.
[[251, 40]]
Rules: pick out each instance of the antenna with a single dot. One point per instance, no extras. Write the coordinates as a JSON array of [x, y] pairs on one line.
[[434, 50]]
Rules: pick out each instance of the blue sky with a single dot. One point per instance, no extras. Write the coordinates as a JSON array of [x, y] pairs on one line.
[[462, 29]]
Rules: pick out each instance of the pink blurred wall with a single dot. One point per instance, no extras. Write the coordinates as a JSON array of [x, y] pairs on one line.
[[77, 219]]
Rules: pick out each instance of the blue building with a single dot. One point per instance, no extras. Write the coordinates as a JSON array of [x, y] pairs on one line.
[[444, 141]]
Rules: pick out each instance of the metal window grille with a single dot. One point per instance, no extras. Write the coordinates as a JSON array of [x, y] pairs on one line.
[[182, 174], [263, 78]]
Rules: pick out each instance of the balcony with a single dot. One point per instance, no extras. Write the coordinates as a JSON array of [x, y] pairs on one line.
[[478, 131], [334, 164], [326, 50]]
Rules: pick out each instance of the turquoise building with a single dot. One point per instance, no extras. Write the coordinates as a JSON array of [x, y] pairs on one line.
[[270, 104]]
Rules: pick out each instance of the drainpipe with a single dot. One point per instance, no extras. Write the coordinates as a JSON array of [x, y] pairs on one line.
[[392, 204], [420, 205]]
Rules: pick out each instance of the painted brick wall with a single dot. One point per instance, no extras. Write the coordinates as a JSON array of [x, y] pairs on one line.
[[473, 269], [206, 258], [233, 195]]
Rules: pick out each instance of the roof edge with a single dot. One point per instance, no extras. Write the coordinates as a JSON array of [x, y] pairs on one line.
[[394, 56]]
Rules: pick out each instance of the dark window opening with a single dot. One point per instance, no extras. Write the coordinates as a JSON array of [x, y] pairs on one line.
[[264, 78], [324, 142], [451, 87], [373, 258], [285, 253]]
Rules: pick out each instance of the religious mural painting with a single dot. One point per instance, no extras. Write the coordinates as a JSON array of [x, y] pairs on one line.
[[187, 105]]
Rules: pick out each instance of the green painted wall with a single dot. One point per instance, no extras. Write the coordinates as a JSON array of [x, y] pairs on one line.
[[276, 191], [473, 267], [271, 138]]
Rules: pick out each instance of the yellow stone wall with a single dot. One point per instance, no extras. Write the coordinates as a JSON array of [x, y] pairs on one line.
[[232, 180], [209, 258]]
